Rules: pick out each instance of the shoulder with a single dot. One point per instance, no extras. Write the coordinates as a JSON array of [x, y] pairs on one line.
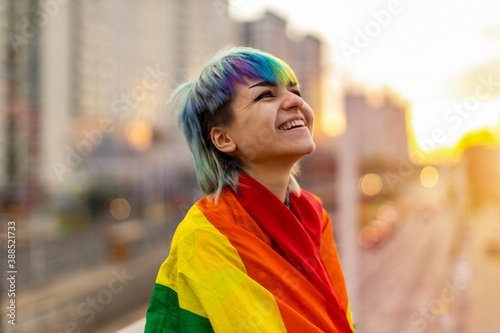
[[197, 235], [193, 224], [198, 247]]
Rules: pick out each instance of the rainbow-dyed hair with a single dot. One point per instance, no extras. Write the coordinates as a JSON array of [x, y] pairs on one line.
[[205, 103]]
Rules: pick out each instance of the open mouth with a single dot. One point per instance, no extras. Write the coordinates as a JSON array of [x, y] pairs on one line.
[[292, 125]]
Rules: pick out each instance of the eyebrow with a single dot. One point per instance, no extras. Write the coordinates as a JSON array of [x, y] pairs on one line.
[[266, 83], [263, 84]]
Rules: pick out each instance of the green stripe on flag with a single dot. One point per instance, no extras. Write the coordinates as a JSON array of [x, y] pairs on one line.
[[165, 316]]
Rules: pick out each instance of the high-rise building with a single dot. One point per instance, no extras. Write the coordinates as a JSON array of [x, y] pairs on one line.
[[20, 103], [269, 34], [376, 126], [3, 98], [307, 63], [117, 64], [483, 164], [108, 69]]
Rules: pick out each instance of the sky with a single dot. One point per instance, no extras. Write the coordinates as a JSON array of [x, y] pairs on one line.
[[436, 54]]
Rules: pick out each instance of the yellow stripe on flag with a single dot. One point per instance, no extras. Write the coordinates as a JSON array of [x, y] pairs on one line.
[[210, 279]]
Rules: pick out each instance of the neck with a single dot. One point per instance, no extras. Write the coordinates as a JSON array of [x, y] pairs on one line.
[[275, 179]]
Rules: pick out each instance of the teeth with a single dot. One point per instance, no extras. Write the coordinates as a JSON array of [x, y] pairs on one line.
[[291, 124]]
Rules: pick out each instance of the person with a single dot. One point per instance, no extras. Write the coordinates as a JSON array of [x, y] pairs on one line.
[[256, 254]]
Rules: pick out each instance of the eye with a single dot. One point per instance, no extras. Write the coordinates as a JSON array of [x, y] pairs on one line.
[[296, 92], [264, 94]]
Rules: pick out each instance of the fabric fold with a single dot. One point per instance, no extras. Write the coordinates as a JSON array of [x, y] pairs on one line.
[[297, 232]]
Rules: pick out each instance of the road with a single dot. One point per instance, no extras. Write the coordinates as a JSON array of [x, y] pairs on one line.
[[435, 273], [408, 281]]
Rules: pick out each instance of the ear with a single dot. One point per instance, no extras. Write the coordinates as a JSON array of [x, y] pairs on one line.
[[222, 140]]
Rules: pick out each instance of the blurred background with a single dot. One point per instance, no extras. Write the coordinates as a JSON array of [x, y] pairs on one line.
[[97, 176]]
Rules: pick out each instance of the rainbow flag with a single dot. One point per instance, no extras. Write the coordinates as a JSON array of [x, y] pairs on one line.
[[251, 264]]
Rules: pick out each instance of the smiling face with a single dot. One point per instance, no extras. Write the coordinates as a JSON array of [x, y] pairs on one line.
[[271, 124]]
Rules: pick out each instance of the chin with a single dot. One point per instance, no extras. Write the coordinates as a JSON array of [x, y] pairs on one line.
[[311, 149], [306, 149]]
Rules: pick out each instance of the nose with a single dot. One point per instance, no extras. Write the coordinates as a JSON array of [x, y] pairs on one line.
[[292, 101]]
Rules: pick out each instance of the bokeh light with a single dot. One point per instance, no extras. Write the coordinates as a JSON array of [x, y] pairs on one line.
[[429, 177], [333, 124], [387, 212], [383, 227], [370, 184], [119, 209], [139, 134], [368, 237]]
